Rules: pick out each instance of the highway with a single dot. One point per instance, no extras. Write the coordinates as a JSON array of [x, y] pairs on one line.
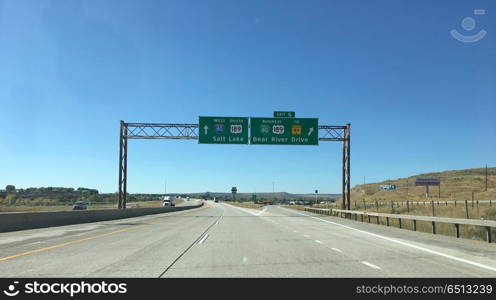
[[221, 240]]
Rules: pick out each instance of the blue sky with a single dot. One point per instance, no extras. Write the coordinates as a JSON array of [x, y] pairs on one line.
[[418, 100]]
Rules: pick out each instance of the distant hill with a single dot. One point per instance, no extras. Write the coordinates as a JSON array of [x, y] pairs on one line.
[[277, 196], [455, 184]]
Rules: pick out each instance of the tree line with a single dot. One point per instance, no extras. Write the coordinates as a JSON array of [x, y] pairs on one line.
[[48, 195]]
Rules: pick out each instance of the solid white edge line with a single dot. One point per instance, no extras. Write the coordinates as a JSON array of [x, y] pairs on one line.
[[370, 265], [263, 210], [408, 245], [203, 238]]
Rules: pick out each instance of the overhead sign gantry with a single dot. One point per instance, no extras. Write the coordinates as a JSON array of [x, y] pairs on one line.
[[283, 129]]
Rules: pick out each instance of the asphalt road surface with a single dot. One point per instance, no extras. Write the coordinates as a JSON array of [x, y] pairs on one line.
[[220, 240]]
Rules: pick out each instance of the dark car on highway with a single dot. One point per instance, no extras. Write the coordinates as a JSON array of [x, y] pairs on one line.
[[80, 206]]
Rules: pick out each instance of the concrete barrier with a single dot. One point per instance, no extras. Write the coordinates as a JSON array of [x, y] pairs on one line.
[[32, 220]]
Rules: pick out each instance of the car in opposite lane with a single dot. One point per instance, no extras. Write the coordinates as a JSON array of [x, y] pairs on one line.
[[80, 206]]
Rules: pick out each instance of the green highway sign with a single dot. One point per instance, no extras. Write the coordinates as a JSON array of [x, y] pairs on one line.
[[284, 131], [223, 130], [284, 114]]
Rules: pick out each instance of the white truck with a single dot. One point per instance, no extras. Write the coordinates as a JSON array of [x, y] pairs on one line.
[[167, 201]]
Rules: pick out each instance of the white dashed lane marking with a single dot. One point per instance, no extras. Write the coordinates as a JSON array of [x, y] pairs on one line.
[[203, 239], [370, 265]]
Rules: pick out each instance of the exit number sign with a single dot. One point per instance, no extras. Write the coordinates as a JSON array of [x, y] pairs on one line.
[[284, 114]]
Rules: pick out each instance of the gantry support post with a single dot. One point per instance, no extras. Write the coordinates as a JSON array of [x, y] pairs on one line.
[[122, 166], [345, 188]]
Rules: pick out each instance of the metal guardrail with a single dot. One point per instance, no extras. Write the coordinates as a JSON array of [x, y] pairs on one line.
[[422, 203], [487, 224]]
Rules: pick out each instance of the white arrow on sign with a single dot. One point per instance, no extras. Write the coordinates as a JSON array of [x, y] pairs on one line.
[[310, 131], [206, 129]]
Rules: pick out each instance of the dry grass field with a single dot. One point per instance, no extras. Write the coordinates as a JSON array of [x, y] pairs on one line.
[[42, 208], [246, 204], [455, 185]]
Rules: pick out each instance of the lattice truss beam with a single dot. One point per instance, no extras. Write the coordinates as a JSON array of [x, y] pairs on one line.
[[161, 131], [190, 131]]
